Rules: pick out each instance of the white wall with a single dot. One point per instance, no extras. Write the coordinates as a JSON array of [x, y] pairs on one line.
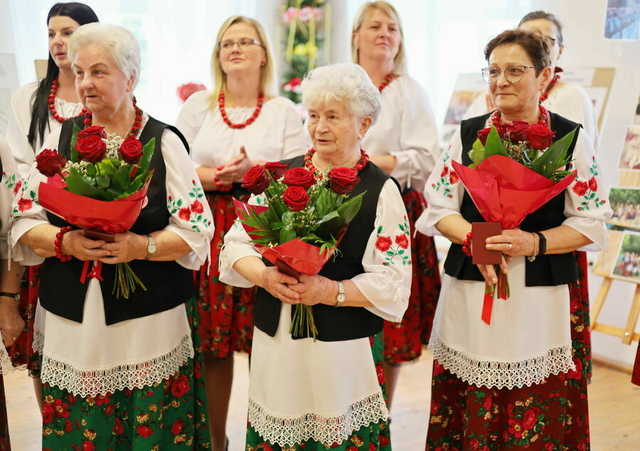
[[584, 30]]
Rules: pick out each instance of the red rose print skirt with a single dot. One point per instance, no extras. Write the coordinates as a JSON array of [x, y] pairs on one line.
[[635, 378], [4, 425], [403, 341], [226, 312], [21, 352]]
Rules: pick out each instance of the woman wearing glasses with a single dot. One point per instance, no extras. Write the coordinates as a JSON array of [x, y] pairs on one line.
[[404, 143], [238, 124], [508, 385]]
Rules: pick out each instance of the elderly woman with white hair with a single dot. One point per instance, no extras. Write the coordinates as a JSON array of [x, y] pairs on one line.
[[325, 393], [119, 374]]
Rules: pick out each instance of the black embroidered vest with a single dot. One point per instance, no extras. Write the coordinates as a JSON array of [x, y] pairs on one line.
[[545, 270], [168, 284], [333, 323]]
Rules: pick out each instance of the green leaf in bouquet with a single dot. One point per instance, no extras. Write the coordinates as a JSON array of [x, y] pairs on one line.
[[147, 154], [91, 171], [103, 181], [351, 207], [73, 152], [494, 145], [555, 157], [107, 166], [79, 185], [476, 153], [121, 178], [287, 234]]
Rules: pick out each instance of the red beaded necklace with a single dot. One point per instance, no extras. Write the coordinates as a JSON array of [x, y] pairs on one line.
[[387, 79], [543, 117], [137, 121], [251, 118], [308, 162], [552, 83], [52, 103]]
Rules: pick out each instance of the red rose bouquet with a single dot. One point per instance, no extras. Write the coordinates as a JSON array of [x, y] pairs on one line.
[[517, 168], [102, 188], [299, 221]]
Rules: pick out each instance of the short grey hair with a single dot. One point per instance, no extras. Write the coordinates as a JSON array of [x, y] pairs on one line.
[[118, 41], [345, 82]]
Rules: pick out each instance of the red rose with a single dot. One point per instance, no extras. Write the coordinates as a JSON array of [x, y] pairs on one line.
[[529, 419], [474, 443], [593, 184], [256, 180], [144, 431], [516, 131], [88, 446], [118, 429], [196, 207], [276, 169], [580, 188], [48, 413], [24, 204], [372, 446], [383, 243], [177, 427], [94, 130], [299, 177], [49, 162], [295, 197], [343, 180], [488, 403], [17, 187], [384, 440], [186, 90], [549, 446], [91, 148], [402, 241], [445, 171], [482, 135], [184, 214], [180, 386], [577, 373], [453, 177], [539, 136], [131, 150], [68, 426]]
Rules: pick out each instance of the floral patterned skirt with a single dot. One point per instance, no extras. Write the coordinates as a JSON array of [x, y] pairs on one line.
[[226, 312], [372, 437], [635, 378], [5, 445], [404, 340], [21, 352], [171, 415], [550, 416]]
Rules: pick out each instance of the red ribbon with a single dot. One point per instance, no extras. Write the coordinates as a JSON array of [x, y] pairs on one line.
[[487, 304], [95, 273]]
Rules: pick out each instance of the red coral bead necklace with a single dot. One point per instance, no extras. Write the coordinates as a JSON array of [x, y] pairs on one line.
[[249, 121], [543, 117], [387, 79], [137, 121], [51, 101]]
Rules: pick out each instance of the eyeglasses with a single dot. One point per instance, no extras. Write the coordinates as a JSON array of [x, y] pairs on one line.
[[242, 43], [512, 73]]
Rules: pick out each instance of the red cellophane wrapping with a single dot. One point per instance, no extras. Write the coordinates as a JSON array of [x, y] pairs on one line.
[[505, 191]]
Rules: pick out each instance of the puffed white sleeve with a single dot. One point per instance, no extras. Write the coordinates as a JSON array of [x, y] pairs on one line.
[[9, 182], [191, 115], [444, 190], [419, 149], [191, 217], [586, 206], [18, 129], [386, 280], [237, 245], [296, 139], [26, 211]]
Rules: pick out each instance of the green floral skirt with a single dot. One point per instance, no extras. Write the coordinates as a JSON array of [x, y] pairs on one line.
[[375, 436], [171, 415]]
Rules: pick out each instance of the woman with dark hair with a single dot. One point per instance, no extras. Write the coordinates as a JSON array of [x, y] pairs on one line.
[[510, 384], [38, 109]]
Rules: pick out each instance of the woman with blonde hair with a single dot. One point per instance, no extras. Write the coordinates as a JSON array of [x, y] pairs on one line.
[[229, 129], [403, 143]]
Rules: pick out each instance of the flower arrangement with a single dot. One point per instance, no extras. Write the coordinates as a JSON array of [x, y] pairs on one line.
[[307, 24], [299, 220], [516, 169], [101, 188]]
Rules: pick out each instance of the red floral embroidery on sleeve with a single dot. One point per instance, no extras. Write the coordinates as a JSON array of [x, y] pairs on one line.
[[394, 248]]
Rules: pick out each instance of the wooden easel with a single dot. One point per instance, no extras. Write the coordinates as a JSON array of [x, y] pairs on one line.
[[627, 334]]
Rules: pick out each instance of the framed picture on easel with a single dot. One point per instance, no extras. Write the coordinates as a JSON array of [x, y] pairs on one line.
[[625, 203], [627, 264]]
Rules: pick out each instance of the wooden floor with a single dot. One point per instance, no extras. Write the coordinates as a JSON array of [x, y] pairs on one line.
[[614, 409]]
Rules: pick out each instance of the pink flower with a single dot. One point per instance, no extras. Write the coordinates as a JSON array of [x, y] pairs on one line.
[[290, 14], [186, 90]]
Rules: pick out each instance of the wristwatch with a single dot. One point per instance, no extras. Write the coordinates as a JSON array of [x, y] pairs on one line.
[[340, 297], [151, 246]]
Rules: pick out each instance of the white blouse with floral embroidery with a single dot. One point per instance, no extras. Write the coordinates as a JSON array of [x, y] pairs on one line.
[[305, 389], [129, 354], [529, 337]]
